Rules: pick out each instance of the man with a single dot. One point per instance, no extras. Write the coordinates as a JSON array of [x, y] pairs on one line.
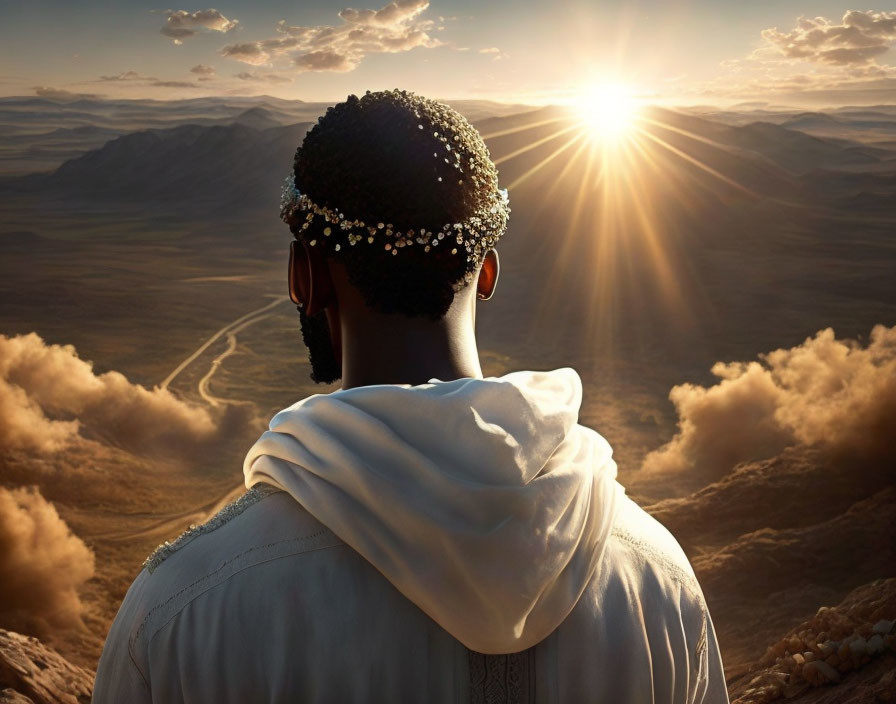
[[421, 534]]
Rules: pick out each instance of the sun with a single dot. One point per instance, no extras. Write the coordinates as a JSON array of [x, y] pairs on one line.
[[607, 110]]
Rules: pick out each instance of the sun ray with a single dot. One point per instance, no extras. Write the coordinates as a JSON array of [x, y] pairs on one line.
[[570, 163], [523, 128], [566, 246], [696, 162], [684, 133], [532, 145], [541, 164]]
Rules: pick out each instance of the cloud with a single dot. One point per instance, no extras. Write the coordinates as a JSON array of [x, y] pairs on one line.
[[248, 52], [205, 73], [324, 61], [42, 564], [133, 77], [50, 398], [859, 37], [394, 28], [62, 94], [173, 84], [181, 24], [126, 76], [495, 53], [391, 14], [825, 392], [820, 61], [263, 77]]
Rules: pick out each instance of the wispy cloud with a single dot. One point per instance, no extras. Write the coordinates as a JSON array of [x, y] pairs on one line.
[[204, 73], [126, 76], [134, 77], [182, 24], [395, 27], [62, 94], [263, 77]]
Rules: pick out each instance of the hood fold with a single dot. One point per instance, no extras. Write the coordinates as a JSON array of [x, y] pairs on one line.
[[482, 500]]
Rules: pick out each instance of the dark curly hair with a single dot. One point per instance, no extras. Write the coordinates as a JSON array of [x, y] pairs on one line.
[[394, 171]]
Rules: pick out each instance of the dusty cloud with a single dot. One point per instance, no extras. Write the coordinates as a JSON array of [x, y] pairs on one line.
[[42, 564], [825, 392], [394, 28], [857, 38], [50, 398], [182, 24]]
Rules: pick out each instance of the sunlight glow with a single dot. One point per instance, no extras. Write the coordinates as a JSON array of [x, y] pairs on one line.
[[608, 111], [609, 168]]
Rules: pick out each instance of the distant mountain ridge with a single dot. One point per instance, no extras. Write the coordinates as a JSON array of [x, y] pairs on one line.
[[30, 140], [229, 166]]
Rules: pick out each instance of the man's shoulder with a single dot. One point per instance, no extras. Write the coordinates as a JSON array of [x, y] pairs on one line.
[[646, 585], [649, 546], [263, 519], [262, 525]]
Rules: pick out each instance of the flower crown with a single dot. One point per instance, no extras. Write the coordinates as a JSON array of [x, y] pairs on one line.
[[455, 142], [476, 235]]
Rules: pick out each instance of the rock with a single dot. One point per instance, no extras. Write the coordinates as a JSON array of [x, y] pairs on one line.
[[10, 696], [848, 655], [858, 647], [827, 648], [32, 672], [882, 627], [818, 672], [875, 644]]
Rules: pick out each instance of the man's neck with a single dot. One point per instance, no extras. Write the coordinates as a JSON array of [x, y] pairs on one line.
[[395, 349]]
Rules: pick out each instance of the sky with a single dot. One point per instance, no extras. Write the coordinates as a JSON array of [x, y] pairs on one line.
[[789, 52]]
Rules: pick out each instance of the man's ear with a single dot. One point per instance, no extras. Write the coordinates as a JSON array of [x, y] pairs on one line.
[[488, 276], [310, 283]]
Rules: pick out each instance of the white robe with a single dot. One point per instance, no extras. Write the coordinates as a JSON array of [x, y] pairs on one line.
[[398, 540]]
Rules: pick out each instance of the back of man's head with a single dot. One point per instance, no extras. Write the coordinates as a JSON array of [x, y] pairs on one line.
[[402, 189]]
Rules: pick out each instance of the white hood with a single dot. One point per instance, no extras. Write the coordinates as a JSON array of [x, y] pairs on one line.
[[482, 500]]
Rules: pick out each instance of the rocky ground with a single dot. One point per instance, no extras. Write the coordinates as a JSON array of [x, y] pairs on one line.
[[845, 654], [32, 672]]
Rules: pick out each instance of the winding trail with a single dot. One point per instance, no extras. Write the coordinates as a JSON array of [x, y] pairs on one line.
[[223, 331], [216, 362], [159, 527]]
